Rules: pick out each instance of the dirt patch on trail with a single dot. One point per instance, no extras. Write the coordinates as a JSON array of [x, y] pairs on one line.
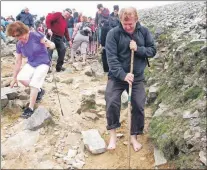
[[117, 159]]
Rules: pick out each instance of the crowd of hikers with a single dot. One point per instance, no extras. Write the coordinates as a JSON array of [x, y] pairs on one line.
[[117, 34]]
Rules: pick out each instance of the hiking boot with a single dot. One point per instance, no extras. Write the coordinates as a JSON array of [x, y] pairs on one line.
[[27, 113], [60, 69], [40, 95]]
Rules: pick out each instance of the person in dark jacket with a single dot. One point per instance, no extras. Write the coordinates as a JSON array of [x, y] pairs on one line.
[[70, 26], [26, 18], [105, 29], [101, 15], [75, 16], [114, 17], [129, 35]]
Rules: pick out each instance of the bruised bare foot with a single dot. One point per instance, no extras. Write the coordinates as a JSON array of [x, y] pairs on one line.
[[136, 145], [112, 142]]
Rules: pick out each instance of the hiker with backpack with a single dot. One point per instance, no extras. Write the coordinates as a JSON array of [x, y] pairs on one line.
[[26, 18], [75, 16], [129, 36], [32, 45], [105, 29], [106, 26], [114, 17], [101, 14], [80, 38], [57, 24]]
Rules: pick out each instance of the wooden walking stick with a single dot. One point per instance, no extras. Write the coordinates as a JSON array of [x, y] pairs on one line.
[[54, 78], [97, 41], [129, 109]]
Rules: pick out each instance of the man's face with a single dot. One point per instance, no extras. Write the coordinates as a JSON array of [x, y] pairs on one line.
[[26, 10], [129, 25], [66, 14], [101, 9], [115, 12]]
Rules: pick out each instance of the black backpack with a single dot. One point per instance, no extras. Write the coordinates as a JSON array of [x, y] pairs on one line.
[[85, 24], [144, 33]]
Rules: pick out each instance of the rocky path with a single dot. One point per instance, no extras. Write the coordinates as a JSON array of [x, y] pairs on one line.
[[59, 144]]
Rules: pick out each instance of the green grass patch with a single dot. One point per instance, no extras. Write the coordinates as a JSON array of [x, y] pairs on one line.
[[192, 93]]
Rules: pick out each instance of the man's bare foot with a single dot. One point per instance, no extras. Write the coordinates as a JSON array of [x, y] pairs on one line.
[[112, 142], [136, 145]]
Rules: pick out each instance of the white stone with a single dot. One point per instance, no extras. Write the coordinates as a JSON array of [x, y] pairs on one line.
[[93, 141], [119, 135], [72, 153], [78, 164], [159, 157], [202, 156]]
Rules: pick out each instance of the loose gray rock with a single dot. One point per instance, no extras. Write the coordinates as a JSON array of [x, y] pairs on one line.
[[4, 101], [202, 156], [101, 89], [10, 92], [8, 50], [88, 100], [161, 110], [97, 69], [153, 92], [89, 115], [77, 66], [38, 119], [72, 153], [88, 71], [124, 98], [188, 115], [23, 96], [101, 103], [78, 165], [101, 114], [159, 157], [68, 81], [93, 141]]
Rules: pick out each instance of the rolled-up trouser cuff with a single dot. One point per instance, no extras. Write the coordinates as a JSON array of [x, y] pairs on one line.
[[114, 126], [137, 133]]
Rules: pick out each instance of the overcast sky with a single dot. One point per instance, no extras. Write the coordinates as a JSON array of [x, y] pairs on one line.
[[87, 7]]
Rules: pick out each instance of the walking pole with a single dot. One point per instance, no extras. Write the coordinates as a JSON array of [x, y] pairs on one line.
[[129, 109], [56, 84], [94, 44], [97, 41]]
